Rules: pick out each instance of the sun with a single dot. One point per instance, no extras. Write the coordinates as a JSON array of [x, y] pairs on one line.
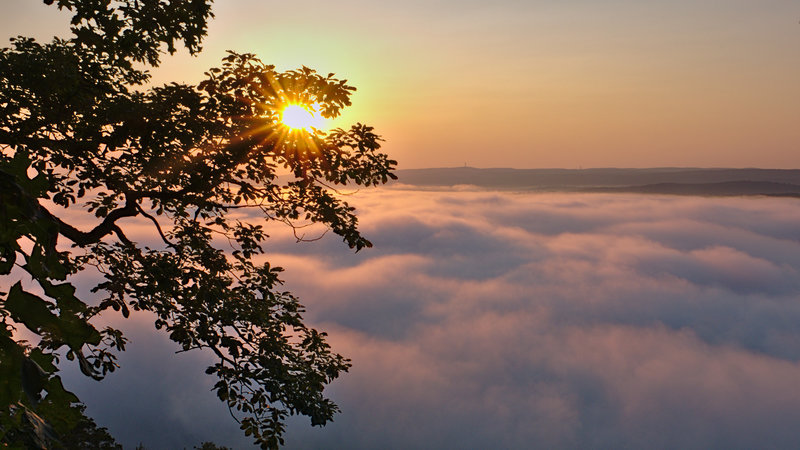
[[300, 117]]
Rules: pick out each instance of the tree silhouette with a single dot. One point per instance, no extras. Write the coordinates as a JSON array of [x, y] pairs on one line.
[[82, 130]]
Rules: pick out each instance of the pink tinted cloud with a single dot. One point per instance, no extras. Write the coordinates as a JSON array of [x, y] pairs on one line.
[[519, 320]]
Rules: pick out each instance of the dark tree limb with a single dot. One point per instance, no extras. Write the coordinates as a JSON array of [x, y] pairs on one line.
[[158, 226], [107, 226]]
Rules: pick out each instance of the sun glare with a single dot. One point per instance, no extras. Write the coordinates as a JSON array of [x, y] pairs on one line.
[[299, 117]]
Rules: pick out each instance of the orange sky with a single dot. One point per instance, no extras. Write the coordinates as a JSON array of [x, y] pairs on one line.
[[531, 84]]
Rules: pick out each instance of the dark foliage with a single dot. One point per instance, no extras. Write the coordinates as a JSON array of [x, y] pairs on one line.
[[80, 129], [210, 446]]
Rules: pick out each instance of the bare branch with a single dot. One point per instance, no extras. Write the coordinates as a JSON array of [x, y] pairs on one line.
[[121, 235], [84, 238], [158, 226]]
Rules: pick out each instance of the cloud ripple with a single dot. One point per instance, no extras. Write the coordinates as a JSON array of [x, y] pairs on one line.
[[529, 320]]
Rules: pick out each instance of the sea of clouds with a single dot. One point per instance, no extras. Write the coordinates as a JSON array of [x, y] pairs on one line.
[[519, 320]]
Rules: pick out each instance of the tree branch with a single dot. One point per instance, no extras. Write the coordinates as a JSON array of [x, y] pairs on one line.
[[107, 226], [158, 227]]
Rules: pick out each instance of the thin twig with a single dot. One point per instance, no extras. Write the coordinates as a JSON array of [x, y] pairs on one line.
[[158, 226]]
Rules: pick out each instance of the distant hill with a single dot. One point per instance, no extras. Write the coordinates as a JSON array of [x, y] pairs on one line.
[[711, 189], [682, 181]]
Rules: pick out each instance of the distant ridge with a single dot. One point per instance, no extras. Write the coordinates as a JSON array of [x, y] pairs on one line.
[[711, 189], [663, 180]]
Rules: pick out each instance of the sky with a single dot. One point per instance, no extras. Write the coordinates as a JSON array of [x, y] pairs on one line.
[[488, 319], [527, 84]]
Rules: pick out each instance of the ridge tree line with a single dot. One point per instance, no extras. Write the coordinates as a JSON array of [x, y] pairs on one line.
[[81, 128]]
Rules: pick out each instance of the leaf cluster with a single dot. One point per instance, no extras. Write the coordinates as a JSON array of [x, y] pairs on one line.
[[207, 166]]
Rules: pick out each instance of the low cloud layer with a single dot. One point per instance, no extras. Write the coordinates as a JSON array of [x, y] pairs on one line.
[[519, 320]]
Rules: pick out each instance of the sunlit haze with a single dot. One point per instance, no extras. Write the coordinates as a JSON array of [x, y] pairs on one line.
[[300, 117], [531, 84]]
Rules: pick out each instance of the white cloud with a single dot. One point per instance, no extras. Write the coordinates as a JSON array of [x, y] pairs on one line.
[[518, 320]]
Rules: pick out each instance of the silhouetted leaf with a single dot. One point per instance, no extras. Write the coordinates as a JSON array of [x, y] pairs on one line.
[[30, 310]]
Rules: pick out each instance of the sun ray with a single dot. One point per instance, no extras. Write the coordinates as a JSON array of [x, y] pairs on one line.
[[287, 120]]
